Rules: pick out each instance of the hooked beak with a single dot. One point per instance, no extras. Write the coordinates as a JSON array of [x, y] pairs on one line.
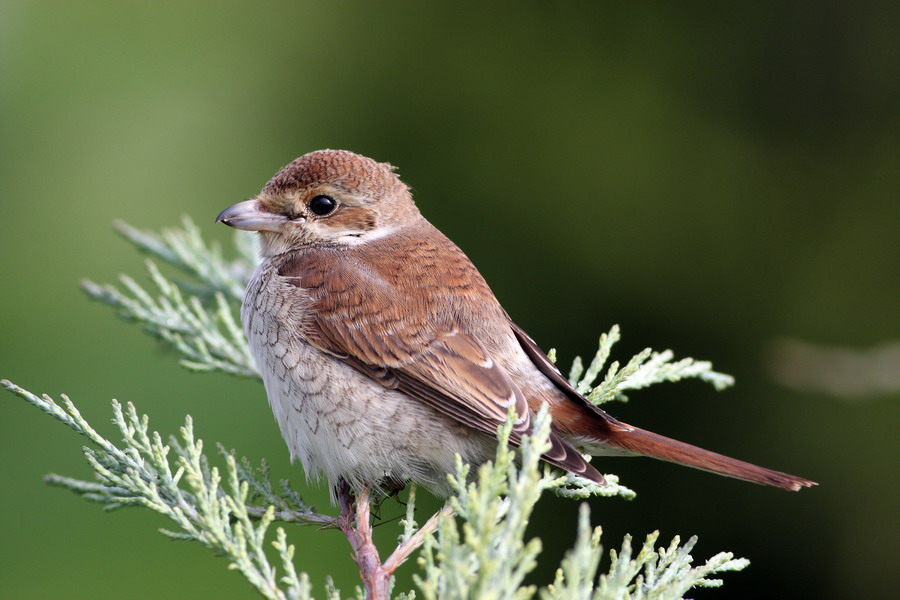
[[250, 216]]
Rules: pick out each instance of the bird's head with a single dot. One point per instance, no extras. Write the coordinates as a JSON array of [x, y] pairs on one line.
[[325, 198]]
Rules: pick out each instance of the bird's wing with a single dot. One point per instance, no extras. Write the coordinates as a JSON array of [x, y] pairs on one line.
[[430, 361], [543, 364]]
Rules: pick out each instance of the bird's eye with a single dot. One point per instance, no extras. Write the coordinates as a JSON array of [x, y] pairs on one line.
[[322, 205]]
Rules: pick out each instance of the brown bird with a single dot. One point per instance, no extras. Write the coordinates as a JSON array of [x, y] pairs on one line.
[[384, 352]]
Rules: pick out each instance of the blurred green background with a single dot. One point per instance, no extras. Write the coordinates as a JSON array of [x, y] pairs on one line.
[[714, 177]]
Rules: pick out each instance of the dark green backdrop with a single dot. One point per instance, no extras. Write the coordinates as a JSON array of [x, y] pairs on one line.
[[713, 177]]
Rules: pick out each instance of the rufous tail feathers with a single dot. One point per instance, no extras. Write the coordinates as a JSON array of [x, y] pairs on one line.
[[647, 443]]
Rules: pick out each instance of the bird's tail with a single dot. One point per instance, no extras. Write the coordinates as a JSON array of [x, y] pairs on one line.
[[646, 443]]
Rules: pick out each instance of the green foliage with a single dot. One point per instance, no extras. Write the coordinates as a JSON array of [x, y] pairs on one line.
[[481, 552], [187, 490], [196, 318], [488, 557], [657, 574], [644, 369], [474, 548]]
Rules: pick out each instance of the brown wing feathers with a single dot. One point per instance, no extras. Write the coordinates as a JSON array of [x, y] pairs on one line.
[[438, 365]]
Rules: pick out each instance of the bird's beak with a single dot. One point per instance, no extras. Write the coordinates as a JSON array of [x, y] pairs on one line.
[[249, 215]]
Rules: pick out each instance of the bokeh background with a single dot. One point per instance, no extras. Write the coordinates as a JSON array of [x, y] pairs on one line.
[[718, 178]]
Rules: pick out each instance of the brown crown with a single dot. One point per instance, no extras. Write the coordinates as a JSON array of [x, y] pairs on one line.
[[340, 168]]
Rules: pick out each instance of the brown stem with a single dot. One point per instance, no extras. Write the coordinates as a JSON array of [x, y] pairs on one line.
[[355, 522], [376, 579]]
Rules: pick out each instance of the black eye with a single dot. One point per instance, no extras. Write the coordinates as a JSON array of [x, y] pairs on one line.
[[322, 205]]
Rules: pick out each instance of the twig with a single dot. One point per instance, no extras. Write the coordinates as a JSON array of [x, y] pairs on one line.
[[355, 522], [358, 530], [402, 552]]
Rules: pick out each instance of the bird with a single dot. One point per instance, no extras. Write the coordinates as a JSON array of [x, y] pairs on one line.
[[384, 353]]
